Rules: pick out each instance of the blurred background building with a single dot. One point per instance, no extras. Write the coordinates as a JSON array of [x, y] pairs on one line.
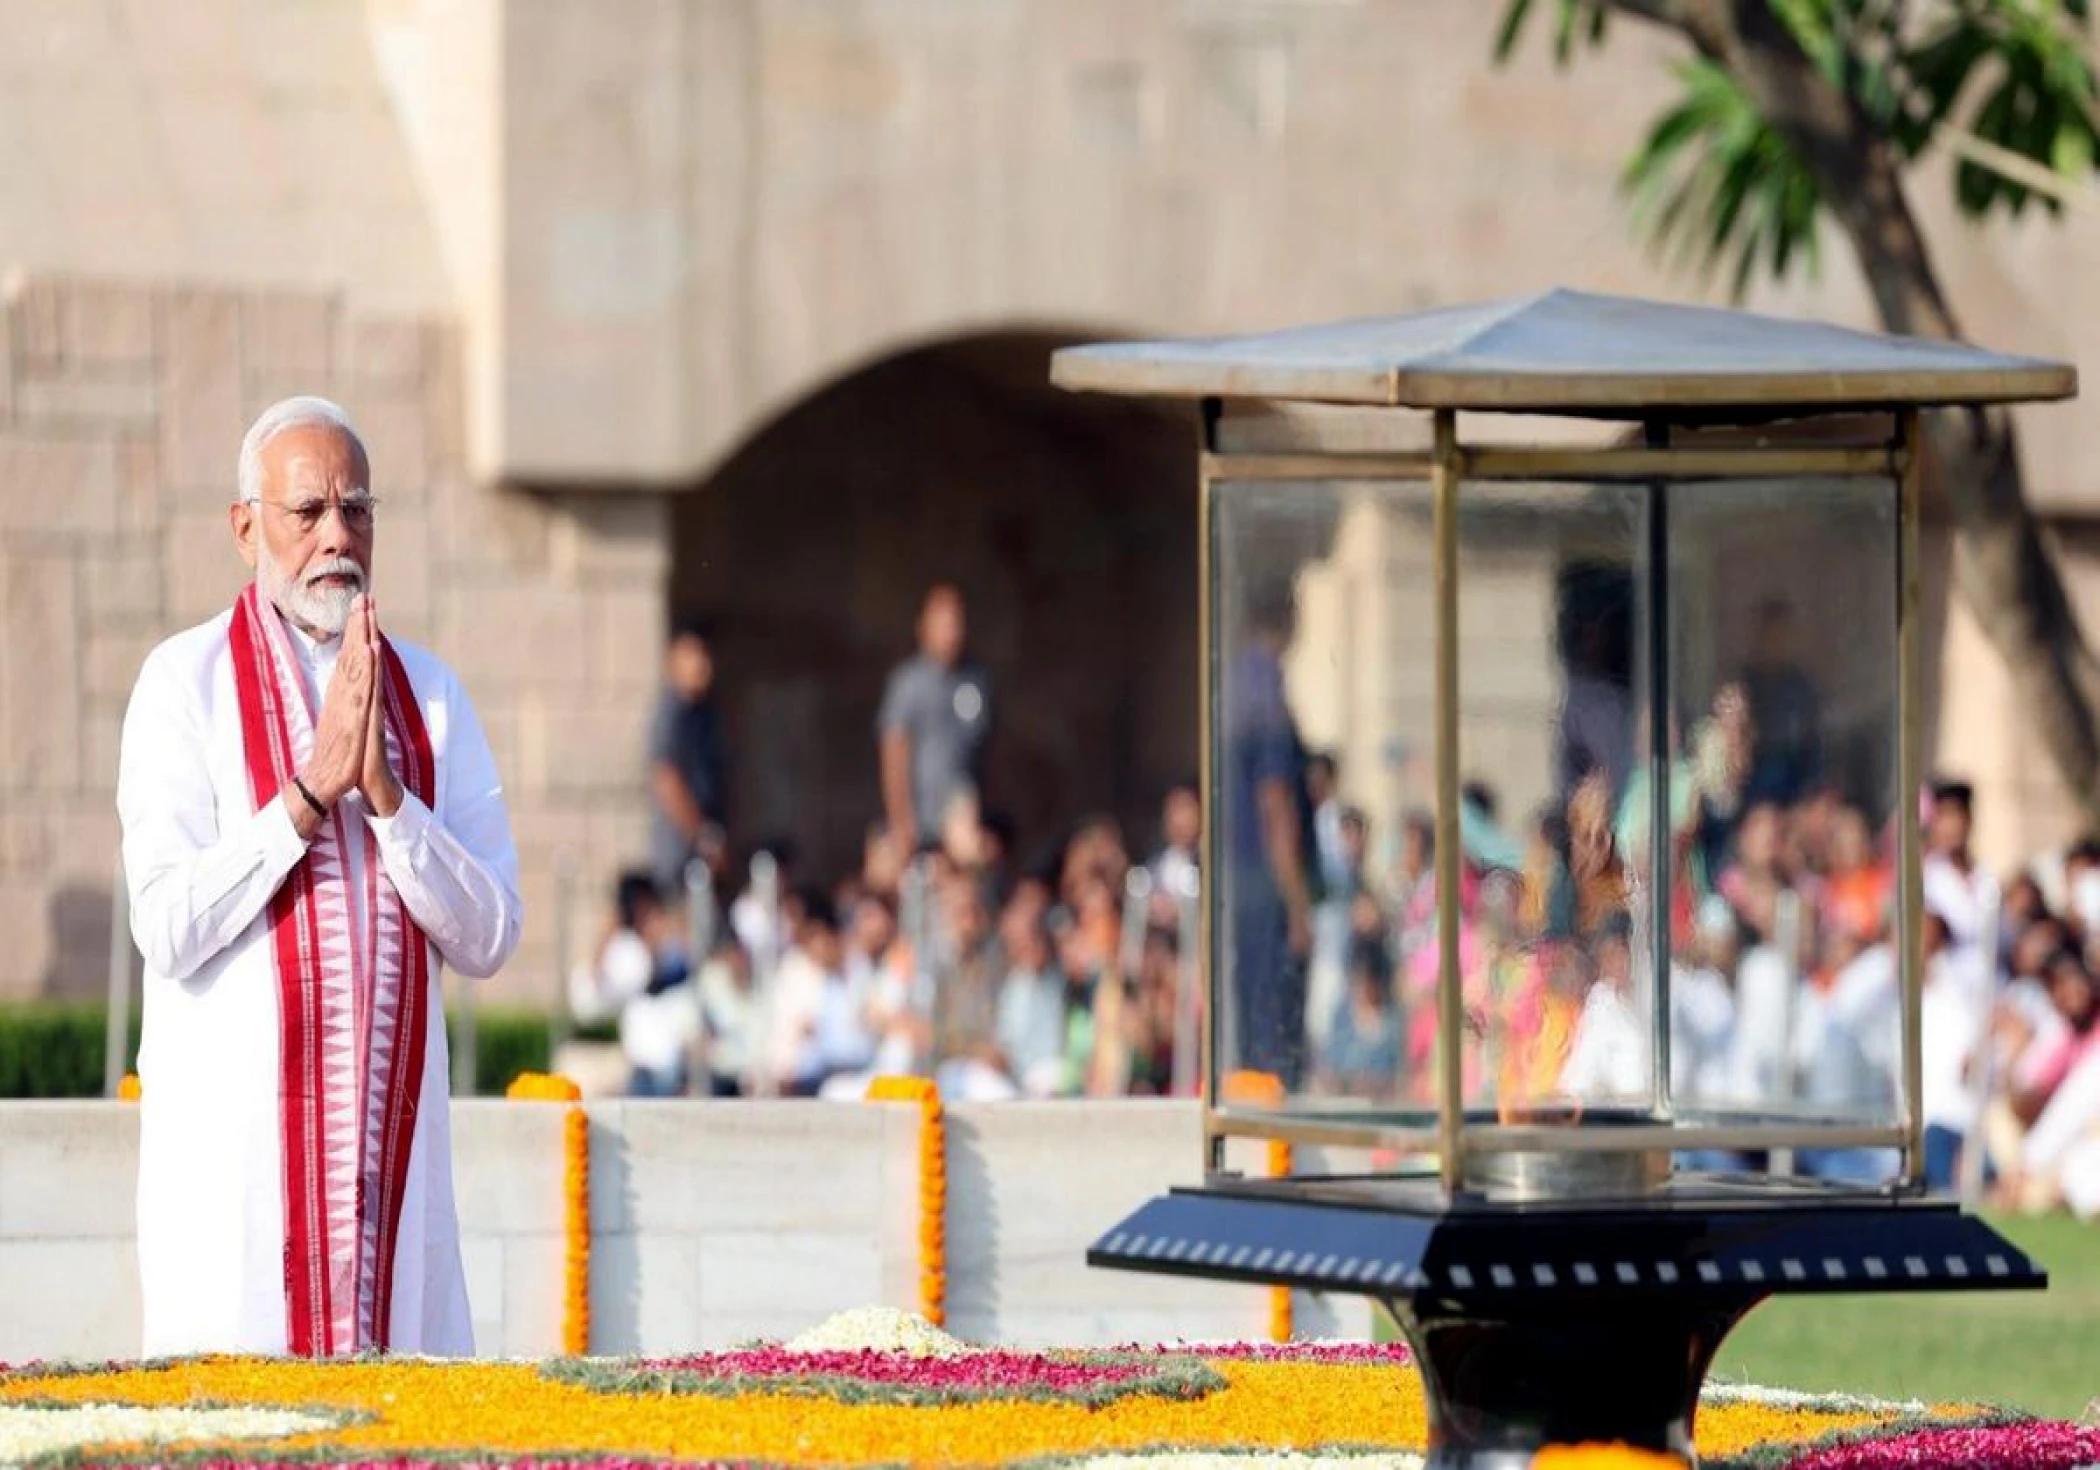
[[742, 308]]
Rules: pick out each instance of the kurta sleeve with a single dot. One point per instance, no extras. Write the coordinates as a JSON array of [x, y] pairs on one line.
[[457, 868], [193, 888]]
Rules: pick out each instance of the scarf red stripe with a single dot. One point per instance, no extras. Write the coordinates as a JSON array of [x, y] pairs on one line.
[[267, 742], [418, 774], [295, 924]]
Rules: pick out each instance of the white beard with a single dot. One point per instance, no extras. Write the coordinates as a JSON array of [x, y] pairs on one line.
[[321, 611]]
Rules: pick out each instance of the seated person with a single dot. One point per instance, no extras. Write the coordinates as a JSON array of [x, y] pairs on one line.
[[638, 974], [818, 1028], [1362, 1057], [1031, 1020], [2040, 1080]]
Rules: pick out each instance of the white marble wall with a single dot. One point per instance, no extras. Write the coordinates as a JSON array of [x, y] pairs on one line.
[[69, 1284], [711, 1225]]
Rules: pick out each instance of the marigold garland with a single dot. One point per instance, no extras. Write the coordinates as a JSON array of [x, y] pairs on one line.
[[1320, 1403], [576, 1201], [129, 1089], [1264, 1089], [542, 1087], [933, 1187]]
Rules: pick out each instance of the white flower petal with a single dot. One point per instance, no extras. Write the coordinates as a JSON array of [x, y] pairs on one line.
[[879, 1329], [26, 1433]]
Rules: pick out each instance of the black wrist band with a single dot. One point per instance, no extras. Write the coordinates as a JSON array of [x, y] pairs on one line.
[[311, 800]]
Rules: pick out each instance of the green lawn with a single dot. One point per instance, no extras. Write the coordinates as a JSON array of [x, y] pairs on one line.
[[2038, 1351]]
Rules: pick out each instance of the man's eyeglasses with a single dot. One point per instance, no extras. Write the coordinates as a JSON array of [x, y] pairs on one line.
[[308, 514]]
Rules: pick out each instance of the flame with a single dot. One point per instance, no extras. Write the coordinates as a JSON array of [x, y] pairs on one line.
[[1538, 1028]]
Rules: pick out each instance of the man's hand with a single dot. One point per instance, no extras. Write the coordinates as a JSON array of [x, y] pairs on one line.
[[382, 788], [344, 728]]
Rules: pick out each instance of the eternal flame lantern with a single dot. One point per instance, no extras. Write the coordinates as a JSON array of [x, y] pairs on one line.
[[1585, 1094]]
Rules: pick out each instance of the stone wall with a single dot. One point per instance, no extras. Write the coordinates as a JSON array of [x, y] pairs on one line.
[[710, 1225], [121, 413]]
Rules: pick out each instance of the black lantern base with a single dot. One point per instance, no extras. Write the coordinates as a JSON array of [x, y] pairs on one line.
[[1500, 1385], [1564, 1323]]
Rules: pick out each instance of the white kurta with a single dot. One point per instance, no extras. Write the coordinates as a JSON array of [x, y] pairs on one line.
[[201, 865]]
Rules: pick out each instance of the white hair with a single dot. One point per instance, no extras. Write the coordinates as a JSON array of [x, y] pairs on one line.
[[303, 412]]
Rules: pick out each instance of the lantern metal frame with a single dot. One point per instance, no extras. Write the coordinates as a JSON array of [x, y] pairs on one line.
[[1446, 469]]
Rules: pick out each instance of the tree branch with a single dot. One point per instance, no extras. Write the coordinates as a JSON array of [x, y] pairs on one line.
[[1668, 13], [2004, 569], [2017, 168]]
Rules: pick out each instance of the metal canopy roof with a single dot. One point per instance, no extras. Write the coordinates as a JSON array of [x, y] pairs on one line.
[[1569, 352]]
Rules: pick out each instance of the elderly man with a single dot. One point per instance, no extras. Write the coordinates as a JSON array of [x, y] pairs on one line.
[[313, 825]]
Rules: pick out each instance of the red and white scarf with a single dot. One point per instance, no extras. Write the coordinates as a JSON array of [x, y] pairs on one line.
[[352, 1007]]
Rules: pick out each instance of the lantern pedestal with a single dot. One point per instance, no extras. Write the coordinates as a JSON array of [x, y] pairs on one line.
[[1564, 1322], [1502, 1382]]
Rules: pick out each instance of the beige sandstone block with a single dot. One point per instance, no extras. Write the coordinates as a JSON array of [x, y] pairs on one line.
[[101, 739], [200, 42], [289, 333], [25, 919], [625, 537], [113, 660], [526, 980], [40, 335], [82, 842], [444, 398], [10, 333], [273, 385], [21, 839], [499, 723], [107, 325], [55, 36], [201, 421], [627, 638], [620, 830], [101, 745], [139, 501], [481, 526], [392, 428], [522, 636], [51, 482], [543, 827], [578, 751], [87, 402], [384, 352], [205, 572], [532, 974], [401, 569], [123, 586], [39, 674]]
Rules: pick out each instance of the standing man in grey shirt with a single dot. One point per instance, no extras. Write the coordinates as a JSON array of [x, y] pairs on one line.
[[936, 715]]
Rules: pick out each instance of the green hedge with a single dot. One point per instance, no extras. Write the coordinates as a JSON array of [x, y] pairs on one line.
[[54, 1048]]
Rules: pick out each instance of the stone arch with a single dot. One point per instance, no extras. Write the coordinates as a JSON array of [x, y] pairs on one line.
[[1069, 520]]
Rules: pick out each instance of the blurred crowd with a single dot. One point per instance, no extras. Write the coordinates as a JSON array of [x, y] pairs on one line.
[[1071, 974], [946, 953]]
